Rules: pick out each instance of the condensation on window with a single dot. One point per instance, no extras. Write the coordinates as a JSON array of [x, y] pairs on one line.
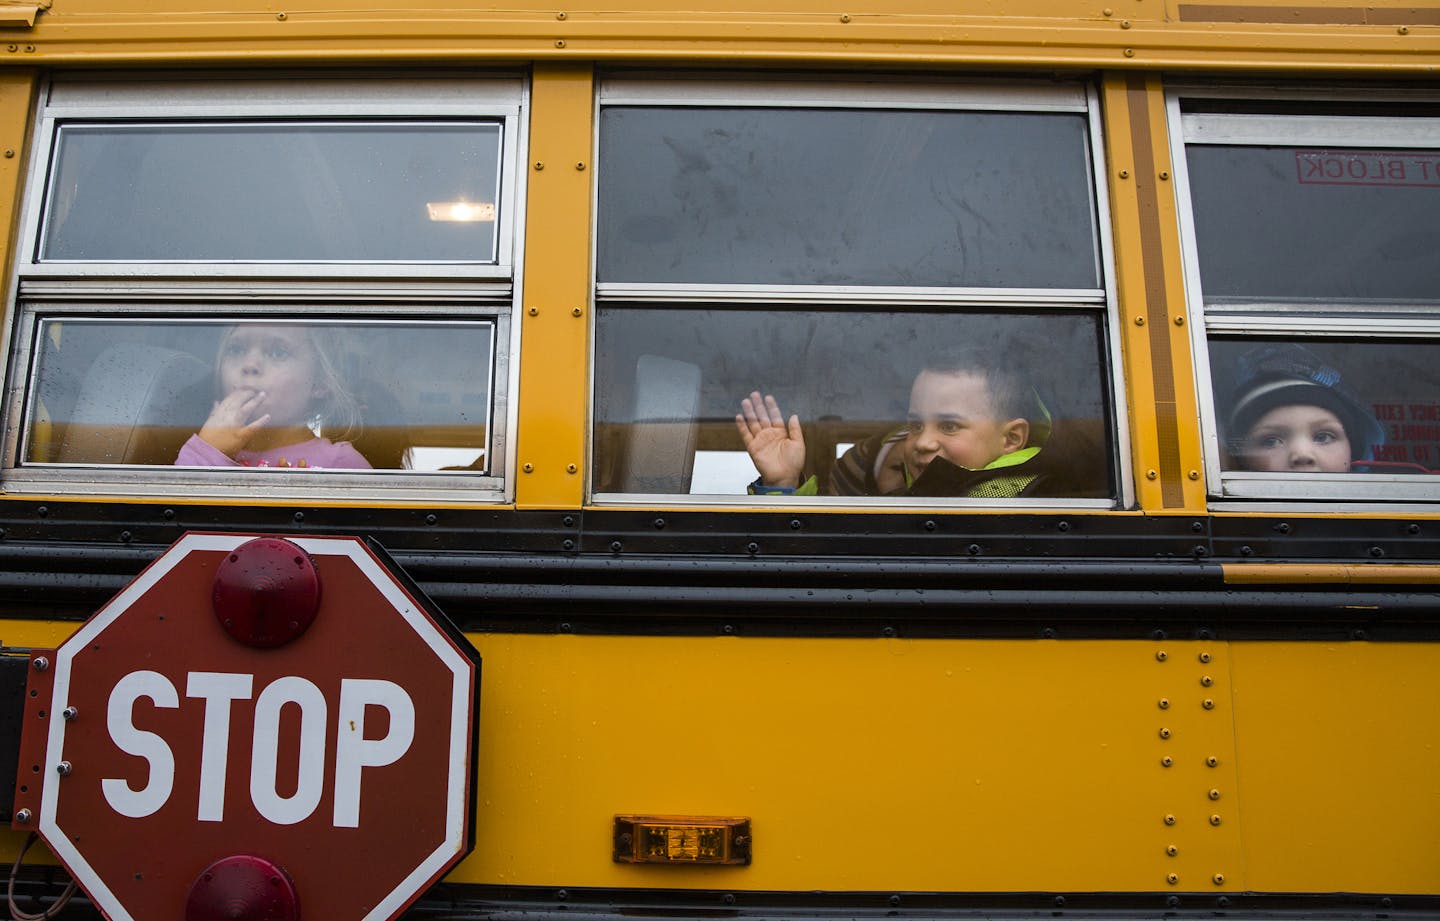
[[669, 384], [704, 195], [1305, 224], [291, 192], [1328, 405], [287, 394]]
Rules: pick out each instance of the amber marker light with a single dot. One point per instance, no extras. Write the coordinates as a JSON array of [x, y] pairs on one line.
[[681, 840], [461, 212]]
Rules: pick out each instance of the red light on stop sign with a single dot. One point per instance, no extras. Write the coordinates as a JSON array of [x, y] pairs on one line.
[[242, 888], [266, 592]]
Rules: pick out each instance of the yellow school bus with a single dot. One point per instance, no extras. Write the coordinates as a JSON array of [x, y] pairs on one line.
[[641, 337]]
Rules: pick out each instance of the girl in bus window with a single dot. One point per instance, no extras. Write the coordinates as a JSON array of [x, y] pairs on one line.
[[278, 389]]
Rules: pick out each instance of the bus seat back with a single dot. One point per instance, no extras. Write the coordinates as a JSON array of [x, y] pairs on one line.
[[136, 405], [665, 427]]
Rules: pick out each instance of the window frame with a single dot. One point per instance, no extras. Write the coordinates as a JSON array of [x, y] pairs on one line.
[[1295, 321], [89, 102], [895, 93], [406, 292]]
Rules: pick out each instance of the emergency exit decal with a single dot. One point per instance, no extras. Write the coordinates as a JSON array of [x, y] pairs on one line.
[[1368, 167]]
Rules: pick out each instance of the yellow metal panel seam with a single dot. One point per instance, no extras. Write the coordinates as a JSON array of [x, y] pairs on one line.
[[554, 309], [1154, 336]]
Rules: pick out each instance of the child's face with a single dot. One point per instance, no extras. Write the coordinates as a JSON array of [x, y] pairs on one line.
[[276, 360], [1306, 439], [951, 416]]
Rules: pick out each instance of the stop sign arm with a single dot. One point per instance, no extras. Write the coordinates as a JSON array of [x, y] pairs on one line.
[[36, 682]]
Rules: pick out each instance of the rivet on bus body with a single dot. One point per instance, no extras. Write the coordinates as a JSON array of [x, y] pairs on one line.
[[571, 468], [580, 165], [12, 48], [1206, 681], [534, 311], [23, 817], [1172, 850], [1169, 820], [576, 312], [69, 713], [1212, 761], [528, 468], [1164, 175], [1129, 52], [63, 769], [9, 153], [1214, 794], [1194, 474], [1139, 321], [1124, 23], [1108, 12], [41, 663], [1208, 704], [560, 43], [560, 15], [1161, 655], [1219, 879], [1179, 321], [844, 17], [1204, 657], [280, 16], [539, 164], [1164, 703], [1215, 820], [1164, 733], [1172, 879], [1167, 761], [1124, 174], [1151, 474], [1403, 30]]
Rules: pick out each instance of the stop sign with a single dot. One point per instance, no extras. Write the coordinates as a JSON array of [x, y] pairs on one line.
[[261, 728]]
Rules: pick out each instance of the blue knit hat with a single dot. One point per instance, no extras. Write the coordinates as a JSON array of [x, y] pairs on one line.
[[1285, 375]]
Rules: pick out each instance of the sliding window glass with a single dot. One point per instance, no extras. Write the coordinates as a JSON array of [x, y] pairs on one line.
[[852, 292], [1310, 230], [267, 286]]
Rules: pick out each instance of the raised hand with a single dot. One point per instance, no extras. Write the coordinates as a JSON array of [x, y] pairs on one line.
[[776, 446], [233, 422]]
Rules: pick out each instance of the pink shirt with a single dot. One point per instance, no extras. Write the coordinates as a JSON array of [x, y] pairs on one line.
[[317, 453]]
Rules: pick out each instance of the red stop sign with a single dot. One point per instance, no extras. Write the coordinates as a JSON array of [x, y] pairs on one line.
[[277, 728]]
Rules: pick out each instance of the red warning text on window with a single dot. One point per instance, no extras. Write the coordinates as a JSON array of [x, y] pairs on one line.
[[1368, 167]]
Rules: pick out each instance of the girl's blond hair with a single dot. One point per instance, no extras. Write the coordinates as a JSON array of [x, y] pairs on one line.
[[337, 414]]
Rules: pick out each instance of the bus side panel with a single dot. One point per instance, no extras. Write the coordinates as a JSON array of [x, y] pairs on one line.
[[864, 764], [1339, 765]]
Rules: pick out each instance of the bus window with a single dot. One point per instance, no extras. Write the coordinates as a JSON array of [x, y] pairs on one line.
[[847, 375], [1329, 406], [1310, 229], [277, 192], [821, 244], [778, 196], [358, 230], [332, 395]]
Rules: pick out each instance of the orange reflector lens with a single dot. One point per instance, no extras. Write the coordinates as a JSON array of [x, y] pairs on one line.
[[681, 840]]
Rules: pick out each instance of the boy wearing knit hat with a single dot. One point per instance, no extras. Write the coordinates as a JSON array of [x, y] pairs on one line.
[[1290, 414]]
